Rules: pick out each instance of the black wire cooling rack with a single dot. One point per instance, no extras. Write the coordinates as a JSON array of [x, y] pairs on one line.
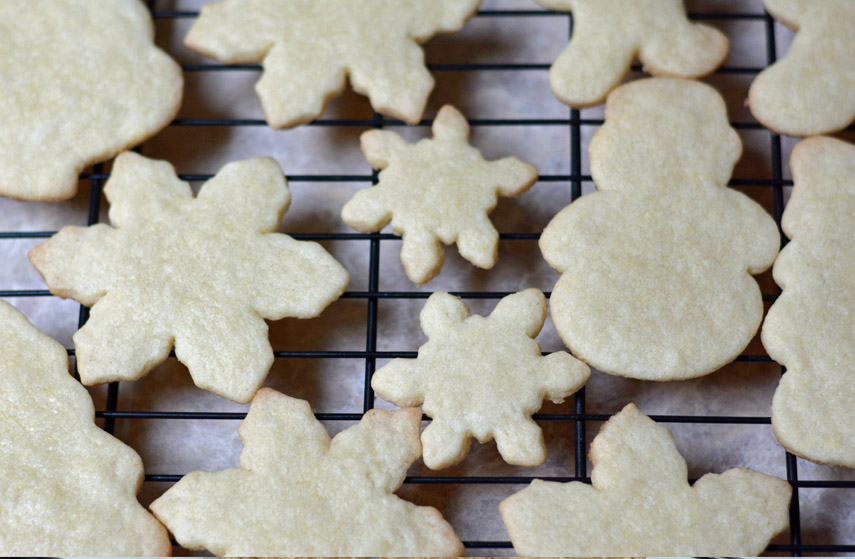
[[579, 417]]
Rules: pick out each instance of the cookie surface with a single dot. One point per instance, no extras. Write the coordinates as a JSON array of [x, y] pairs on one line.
[[202, 273], [641, 503], [665, 292], [811, 90], [310, 47], [80, 81], [481, 377], [438, 189], [609, 34], [67, 488], [809, 329], [299, 493]]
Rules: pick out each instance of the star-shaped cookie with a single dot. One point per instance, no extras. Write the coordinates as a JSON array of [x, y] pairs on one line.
[[481, 377], [609, 34], [298, 493], [202, 273], [641, 504], [439, 189], [310, 47], [67, 488], [811, 90], [80, 81], [810, 328]]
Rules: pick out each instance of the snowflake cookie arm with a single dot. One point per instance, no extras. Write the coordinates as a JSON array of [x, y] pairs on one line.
[[293, 425], [211, 341], [74, 263], [381, 447], [139, 188], [252, 194], [232, 32], [120, 342]]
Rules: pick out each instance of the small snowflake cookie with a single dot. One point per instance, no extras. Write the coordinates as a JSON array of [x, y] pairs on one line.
[[811, 90], [641, 504], [656, 267], [300, 494], [310, 47], [200, 273], [481, 377], [609, 34], [439, 189], [80, 81], [67, 488], [810, 328]]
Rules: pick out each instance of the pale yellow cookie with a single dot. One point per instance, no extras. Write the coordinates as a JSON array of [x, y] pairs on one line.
[[609, 34], [641, 503], [811, 90], [299, 493], [80, 81], [657, 265], [310, 47], [481, 377], [200, 273], [810, 328], [67, 488], [439, 189]]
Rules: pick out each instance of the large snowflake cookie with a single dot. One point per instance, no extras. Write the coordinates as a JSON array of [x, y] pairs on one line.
[[80, 81], [656, 267], [810, 328], [811, 90], [641, 504], [202, 273], [609, 34], [439, 189], [310, 47], [67, 488], [298, 493], [483, 377]]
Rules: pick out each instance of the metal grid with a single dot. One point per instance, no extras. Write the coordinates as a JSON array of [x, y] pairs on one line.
[[579, 418]]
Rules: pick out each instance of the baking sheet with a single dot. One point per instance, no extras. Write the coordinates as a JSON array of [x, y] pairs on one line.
[[336, 385]]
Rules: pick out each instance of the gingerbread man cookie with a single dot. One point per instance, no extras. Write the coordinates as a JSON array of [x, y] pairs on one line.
[[811, 90], [609, 34]]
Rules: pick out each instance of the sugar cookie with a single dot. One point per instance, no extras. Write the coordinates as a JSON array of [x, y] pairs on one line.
[[201, 273], [811, 90], [439, 189], [642, 504], [810, 328], [481, 377], [656, 266], [80, 81], [609, 34], [67, 488], [310, 47], [299, 493]]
